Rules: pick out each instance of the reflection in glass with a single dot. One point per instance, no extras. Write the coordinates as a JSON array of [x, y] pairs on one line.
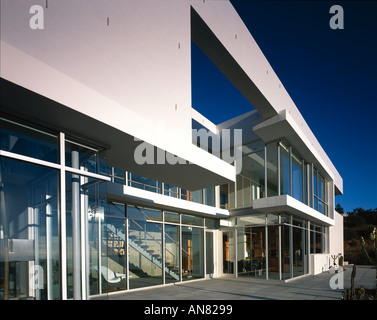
[[29, 233], [272, 169], [141, 213], [297, 174], [284, 169], [172, 265], [298, 250], [192, 220], [209, 253], [285, 252], [140, 182], [85, 197], [113, 260], [81, 157], [252, 252], [273, 252], [28, 141], [145, 254], [192, 253]]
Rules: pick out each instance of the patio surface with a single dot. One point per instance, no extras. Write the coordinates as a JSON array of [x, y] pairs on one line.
[[224, 288]]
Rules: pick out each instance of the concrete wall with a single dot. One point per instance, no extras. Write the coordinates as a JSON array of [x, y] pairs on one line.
[[336, 239]]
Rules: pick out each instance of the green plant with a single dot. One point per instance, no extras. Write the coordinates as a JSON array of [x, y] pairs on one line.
[[373, 236]]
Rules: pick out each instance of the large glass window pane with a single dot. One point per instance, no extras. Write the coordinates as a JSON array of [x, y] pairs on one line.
[[141, 213], [224, 196], [82, 157], [85, 200], [298, 247], [170, 190], [284, 169], [231, 195], [285, 252], [273, 252], [251, 249], [29, 237], [172, 264], [113, 260], [210, 196], [272, 169], [297, 176], [145, 253], [250, 183], [192, 220], [171, 217], [197, 196], [229, 247], [140, 182], [192, 253], [209, 253], [28, 141]]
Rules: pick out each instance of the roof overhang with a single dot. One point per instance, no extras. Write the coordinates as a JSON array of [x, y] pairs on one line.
[[118, 192], [199, 170], [290, 205]]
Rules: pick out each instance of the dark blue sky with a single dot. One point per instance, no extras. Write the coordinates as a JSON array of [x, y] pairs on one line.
[[331, 76]]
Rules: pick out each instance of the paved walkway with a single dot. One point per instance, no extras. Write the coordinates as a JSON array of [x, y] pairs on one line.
[[305, 288]]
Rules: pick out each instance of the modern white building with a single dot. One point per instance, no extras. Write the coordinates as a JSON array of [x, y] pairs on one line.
[[106, 182]]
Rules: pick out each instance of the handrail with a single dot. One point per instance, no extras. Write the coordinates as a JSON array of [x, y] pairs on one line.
[[156, 226]]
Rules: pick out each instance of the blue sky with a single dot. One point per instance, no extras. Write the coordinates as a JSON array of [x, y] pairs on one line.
[[331, 76]]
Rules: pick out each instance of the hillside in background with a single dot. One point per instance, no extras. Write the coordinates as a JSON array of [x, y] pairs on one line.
[[358, 223]]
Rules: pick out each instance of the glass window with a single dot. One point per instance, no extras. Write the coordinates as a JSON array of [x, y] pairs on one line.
[[81, 157], [114, 209], [170, 190], [29, 231], [224, 204], [250, 183], [299, 247], [192, 253], [141, 213], [192, 220], [210, 196], [84, 197], [273, 252], [272, 169], [297, 177], [145, 253], [285, 252], [172, 264], [171, 217], [317, 239], [212, 223], [251, 147], [28, 141], [197, 196], [144, 183], [113, 271], [284, 169], [251, 220]]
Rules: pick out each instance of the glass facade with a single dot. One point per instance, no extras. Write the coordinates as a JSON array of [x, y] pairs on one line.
[[274, 169], [273, 246], [50, 194], [61, 238]]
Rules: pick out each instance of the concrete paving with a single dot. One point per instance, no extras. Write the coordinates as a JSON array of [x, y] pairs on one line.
[[309, 287]]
